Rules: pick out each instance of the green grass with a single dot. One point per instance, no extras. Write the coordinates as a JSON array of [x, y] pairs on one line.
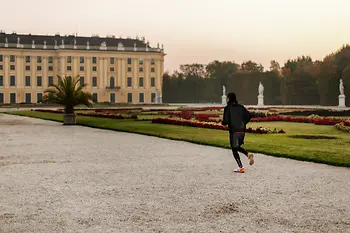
[[332, 152]]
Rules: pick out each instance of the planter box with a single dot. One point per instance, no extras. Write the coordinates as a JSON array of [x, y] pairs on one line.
[[69, 119]]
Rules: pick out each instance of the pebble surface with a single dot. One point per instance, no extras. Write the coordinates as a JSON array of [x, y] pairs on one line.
[[56, 178]]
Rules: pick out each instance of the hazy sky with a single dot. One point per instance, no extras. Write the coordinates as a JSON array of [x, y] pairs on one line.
[[196, 31]]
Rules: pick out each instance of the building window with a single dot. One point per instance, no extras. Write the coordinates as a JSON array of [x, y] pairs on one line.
[[153, 81], [69, 68], [12, 67], [153, 61], [141, 82], [129, 61], [111, 60], [94, 81], [38, 81], [12, 80], [129, 82], [112, 97], [27, 81], [141, 62], [38, 59], [1, 58], [1, 68], [50, 68], [1, 80], [28, 98], [39, 96], [112, 69], [27, 67], [12, 58], [129, 69], [94, 60], [129, 97], [27, 59], [142, 97], [1, 98], [153, 97], [81, 60], [12, 98], [82, 81], [81, 68], [50, 80], [69, 59], [153, 69], [111, 82], [50, 60], [94, 68], [94, 97], [141, 69], [38, 68]]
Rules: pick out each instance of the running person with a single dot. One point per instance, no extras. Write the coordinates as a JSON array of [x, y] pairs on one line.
[[236, 116]]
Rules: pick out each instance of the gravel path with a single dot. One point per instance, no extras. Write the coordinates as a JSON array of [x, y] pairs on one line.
[[56, 178]]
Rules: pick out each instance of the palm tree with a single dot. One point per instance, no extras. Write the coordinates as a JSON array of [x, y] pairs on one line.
[[68, 93]]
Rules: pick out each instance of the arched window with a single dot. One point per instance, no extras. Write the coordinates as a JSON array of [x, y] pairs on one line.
[[111, 82]]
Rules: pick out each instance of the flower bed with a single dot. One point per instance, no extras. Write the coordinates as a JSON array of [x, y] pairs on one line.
[[341, 126], [48, 110], [316, 121], [320, 112], [210, 125], [108, 115]]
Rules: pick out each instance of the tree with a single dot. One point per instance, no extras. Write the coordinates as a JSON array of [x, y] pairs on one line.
[[69, 93], [250, 66], [275, 67]]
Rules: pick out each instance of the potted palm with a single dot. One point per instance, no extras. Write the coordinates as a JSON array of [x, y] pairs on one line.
[[69, 93]]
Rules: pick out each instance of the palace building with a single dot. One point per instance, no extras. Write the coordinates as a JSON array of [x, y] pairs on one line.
[[116, 70]]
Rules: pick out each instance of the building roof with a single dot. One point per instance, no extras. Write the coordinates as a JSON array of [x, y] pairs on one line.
[[69, 41]]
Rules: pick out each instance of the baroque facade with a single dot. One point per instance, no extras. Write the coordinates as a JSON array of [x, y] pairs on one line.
[[115, 70]]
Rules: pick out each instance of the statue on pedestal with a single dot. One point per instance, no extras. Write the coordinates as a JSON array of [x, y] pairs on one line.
[[223, 97], [341, 87], [261, 95], [261, 89]]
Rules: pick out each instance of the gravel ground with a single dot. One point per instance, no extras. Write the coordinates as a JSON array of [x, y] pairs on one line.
[[56, 178]]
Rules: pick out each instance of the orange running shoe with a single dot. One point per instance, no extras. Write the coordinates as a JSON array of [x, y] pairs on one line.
[[239, 170], [251, 159]]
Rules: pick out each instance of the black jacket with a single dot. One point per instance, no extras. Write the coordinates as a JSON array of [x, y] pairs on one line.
[[236, 116]]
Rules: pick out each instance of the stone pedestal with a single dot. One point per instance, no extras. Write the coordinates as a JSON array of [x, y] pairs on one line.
[[260, 100], [224, 100], [342, 101]]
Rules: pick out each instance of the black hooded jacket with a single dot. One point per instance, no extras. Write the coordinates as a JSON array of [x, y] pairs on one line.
[[236, 116]]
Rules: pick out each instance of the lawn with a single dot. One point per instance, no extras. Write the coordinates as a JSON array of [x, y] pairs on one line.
[[328, 151]]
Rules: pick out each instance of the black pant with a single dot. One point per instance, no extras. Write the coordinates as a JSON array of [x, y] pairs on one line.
[[236, 141]]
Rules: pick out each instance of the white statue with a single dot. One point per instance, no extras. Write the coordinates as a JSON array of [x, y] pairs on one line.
[[33, 42], [341, 87], [55, 43], [75, 42], [62, 42], [18, 40], [44, 42], [103, 44], [261, 89], [223, 90], [6, 41]]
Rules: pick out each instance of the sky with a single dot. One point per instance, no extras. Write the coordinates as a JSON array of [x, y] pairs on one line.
[[196, 31]]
